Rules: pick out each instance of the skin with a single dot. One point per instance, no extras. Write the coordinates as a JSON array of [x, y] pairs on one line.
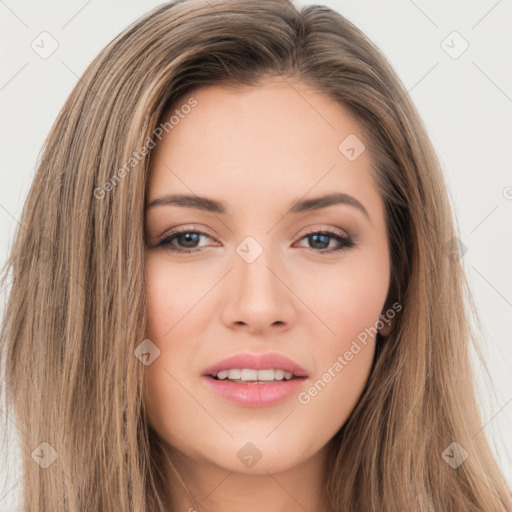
[[259, 149]]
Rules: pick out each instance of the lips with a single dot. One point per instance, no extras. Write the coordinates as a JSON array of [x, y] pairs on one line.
[[256, 393], [257, 362]]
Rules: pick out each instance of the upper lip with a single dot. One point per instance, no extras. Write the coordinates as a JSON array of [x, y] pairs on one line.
[[258, 362]]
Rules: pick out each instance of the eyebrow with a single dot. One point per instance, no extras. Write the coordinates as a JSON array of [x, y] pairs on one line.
[[213, 206]]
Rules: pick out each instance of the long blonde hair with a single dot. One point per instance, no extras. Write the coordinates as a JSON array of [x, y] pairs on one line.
[[76, 307]]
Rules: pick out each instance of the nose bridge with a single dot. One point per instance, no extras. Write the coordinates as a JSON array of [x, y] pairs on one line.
[[255, 259], [258, 295]]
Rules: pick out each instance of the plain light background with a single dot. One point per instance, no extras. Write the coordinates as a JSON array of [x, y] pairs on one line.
[[464, 97]]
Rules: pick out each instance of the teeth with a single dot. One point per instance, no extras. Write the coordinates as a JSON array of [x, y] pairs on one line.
[[266, 374], [233, 374], [278, 374], [246, 374]]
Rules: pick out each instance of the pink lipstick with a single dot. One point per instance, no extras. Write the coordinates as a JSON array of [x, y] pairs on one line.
[[253, 380]]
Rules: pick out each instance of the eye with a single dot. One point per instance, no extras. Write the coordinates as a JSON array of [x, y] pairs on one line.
[[184, 241], [187, 239], [321, 240]]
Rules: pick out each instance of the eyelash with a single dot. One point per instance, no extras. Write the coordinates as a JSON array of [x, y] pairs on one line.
[[165, 242]]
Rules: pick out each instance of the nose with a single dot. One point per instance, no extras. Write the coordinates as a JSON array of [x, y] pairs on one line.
[[259, 296]]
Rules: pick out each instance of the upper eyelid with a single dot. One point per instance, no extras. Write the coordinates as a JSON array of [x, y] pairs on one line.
[[177, 231]]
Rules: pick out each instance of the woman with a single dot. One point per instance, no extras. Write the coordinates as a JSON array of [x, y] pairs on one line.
[[312, 352]]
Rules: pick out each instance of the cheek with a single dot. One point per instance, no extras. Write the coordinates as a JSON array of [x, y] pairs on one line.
[[173, 320], [344, 357], [350, 307], [347, 297], [173, 294], [163, 313], [353, 304]]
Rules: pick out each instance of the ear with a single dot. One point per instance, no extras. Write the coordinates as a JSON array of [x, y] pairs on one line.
[[386, 330], [389, 322]]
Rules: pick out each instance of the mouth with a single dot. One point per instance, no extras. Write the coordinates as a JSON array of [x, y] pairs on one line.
[[254, 376], [255, 380], [248, 367]]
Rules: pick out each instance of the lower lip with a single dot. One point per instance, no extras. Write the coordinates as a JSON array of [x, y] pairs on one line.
[[260, 394]]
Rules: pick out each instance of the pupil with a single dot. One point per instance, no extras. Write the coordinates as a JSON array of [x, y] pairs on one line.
[[315, 240], [189, 238]]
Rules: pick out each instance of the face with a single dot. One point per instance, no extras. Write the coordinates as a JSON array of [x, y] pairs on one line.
[[248, 273]]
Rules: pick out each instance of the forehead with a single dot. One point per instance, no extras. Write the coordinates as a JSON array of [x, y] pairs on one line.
[[273, 140], [278, 113]]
